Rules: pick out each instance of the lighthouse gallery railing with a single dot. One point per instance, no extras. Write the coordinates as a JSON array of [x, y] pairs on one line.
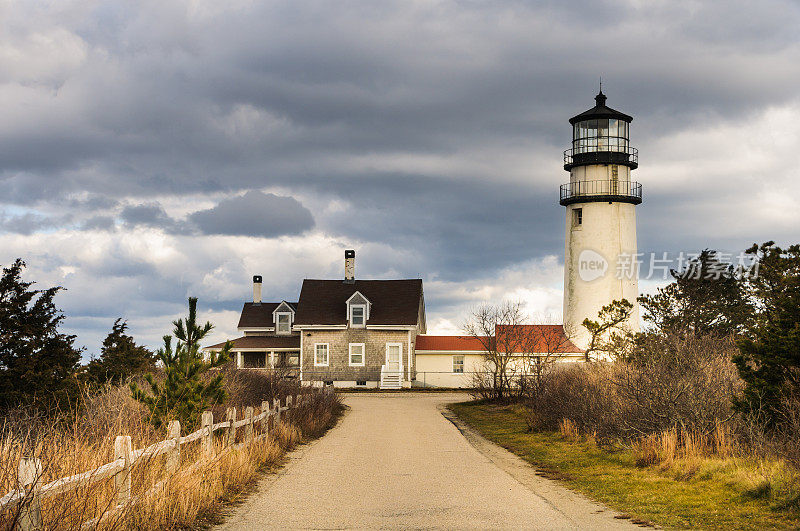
[[610, 190]]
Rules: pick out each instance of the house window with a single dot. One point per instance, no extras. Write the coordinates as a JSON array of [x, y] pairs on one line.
[[357, 312], [321, 355], [458, 364], [577, 217], [357, 354], [284, 323]]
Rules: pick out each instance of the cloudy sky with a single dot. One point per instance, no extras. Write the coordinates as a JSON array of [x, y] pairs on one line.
[[154, 150]]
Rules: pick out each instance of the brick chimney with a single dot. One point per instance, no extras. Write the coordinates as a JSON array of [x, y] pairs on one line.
[[349, 266], [257, 289]]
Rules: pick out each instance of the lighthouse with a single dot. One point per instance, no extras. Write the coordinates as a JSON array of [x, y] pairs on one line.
[[600, 256]]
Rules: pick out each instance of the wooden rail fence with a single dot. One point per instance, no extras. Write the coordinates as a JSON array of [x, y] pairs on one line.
[[31, 492]]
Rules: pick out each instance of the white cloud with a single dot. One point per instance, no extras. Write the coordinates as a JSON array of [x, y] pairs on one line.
[[537, 284]]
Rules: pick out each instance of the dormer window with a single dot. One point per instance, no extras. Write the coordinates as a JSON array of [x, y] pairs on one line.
[[283, 323], [358, 307], [357, 315], [283, 316]]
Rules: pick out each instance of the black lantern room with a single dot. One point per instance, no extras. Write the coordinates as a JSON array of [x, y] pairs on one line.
[[601, 136]]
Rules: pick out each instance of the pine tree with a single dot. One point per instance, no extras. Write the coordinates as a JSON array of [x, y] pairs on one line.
[[707, 297], [769, 359], [184, 393], [609, 335], [120, 357], [38, 364]]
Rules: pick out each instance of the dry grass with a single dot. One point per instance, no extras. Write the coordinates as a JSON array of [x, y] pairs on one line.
[[67, 445], [568, 430], [702, 483], [667, 412], [669, 446]]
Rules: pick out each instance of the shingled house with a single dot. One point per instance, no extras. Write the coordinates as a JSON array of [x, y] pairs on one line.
[[360, 332], [346, 333]]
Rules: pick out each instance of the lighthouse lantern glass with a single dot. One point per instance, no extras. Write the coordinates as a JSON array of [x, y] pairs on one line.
[[607, 134]]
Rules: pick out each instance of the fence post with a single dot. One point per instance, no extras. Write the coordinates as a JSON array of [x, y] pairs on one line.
[[208, 437], [277, 404], [174, 455], [248, 428], [30, 471], [122, 481], [230, 436], [265, 420]]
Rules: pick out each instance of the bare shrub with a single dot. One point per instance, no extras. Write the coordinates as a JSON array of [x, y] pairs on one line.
[[786, 437], [670, 383], [673, 381], [582, 393], [253, 386]]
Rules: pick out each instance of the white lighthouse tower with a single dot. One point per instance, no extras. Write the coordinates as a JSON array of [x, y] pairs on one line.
[[600, 248]]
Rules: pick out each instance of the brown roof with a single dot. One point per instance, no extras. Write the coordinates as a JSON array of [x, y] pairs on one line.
[[265, 342], [259, 315], [394, 302]]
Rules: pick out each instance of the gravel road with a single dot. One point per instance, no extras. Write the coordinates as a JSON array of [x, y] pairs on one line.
[[396, 460]]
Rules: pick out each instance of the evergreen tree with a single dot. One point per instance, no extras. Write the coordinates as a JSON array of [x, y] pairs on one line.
[[184, 393], [769, 359], [610, 335], [37, 363], [120, 357], [707, 297]]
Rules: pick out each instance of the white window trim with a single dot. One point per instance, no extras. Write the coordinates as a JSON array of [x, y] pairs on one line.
[[327, 355], [277, 319], [367, 305], [363, 315], [363, 354], [463, 363]]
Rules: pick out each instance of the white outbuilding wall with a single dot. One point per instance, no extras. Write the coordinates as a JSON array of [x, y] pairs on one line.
[[435, 369]]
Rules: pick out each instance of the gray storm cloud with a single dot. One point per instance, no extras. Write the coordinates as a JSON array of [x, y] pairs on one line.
[[255, 214]]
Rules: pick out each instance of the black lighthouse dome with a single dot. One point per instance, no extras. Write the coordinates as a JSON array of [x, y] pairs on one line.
[[601, 136]]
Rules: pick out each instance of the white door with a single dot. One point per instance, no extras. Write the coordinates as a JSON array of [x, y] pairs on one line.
[[394, 352]]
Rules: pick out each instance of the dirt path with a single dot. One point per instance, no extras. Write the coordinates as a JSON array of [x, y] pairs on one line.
[[396, 461]]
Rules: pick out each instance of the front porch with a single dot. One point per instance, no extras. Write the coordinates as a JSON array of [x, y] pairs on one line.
[[285, 362]]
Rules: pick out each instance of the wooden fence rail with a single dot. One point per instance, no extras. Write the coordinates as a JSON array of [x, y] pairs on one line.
[[31, 492]]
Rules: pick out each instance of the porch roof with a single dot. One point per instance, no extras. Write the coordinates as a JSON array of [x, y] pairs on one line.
[[265, 342]]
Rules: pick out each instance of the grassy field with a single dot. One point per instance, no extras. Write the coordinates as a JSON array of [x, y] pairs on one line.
[[710, 493]]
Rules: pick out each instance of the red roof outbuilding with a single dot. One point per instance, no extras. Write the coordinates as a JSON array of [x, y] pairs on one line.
[[532, 339]]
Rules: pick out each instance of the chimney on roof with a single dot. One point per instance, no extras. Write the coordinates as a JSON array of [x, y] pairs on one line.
[[349, 266], [257, 289]]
